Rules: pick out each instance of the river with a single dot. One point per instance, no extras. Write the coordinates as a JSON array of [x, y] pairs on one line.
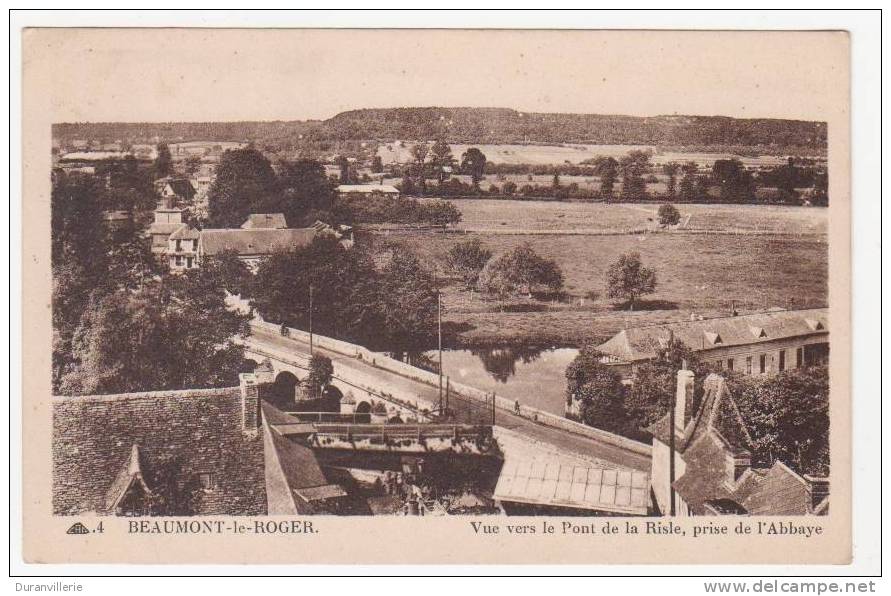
[[534, 377]]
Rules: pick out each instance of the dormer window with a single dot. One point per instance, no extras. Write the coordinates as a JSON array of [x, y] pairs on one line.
[[207, 481], [814, 324], [758, 332], [713, 338]]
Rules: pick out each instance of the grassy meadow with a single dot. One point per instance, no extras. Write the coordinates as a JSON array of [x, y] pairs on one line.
[[784, 265]]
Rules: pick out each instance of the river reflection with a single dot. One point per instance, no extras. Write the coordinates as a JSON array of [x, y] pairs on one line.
[[533, 376]]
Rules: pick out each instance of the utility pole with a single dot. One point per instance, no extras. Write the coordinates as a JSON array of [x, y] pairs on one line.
[[439, 333], [310, 319]]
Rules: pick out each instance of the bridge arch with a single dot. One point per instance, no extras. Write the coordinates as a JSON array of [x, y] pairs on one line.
[[284, 388]]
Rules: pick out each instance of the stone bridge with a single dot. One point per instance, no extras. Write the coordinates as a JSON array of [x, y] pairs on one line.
[[371, 377]]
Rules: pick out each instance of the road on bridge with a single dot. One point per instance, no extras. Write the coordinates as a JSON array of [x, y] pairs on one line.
[[560, 439]]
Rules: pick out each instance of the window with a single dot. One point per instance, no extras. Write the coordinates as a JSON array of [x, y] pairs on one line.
[[730, 364], [799, 357], [762, 363], [748, 365], [782, 364], [179, 245], [189, 262], [179, 260], [207, 481], [194, 245]]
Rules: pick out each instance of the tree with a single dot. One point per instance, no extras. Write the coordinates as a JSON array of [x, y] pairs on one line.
[[598, 391], [419, 151], [467, 259], [441, 159], [788, 417], [509, 188], [163, 161], [407, 186], [607, 168], [671, 170], [377, 165], [306, 192], [245, 184], [321, 371], [346, 172], [655, 383], [473, 162], [520, 270], [627, 278], [688, 182], [409, 298], [191, 165], [633, 166], [736, 183], [669, 215], [174, 333], [229, 273]]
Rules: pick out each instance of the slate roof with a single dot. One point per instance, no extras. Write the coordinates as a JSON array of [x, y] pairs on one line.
[[185, 232], [265, 221], [644, 343], [254, 242], [181, 187], [164, 229], [161, 442]]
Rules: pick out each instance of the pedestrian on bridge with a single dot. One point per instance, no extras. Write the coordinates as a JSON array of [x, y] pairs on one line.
[[517, 407]]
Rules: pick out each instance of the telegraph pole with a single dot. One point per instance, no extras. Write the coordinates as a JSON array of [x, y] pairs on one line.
[[439, 333], [310, 319]]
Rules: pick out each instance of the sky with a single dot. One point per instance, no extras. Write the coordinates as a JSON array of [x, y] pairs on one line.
[[284, 74]]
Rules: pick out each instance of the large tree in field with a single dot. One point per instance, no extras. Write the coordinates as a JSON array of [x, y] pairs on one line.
[[668, 215], [245, 184], [598, 391], [688, 185], [520, 270], [671, 170], [788, 417], [473, 162], [627, 278], [633, 166], [607, 168], [467, 259]]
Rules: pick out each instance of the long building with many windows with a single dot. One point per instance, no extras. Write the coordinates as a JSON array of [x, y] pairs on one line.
[[763, 343]]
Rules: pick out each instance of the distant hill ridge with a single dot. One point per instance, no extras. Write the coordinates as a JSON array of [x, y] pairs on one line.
[[480, 125]]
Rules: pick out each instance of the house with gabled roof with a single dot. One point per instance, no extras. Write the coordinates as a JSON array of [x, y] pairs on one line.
[[712, 472], [760, 343]]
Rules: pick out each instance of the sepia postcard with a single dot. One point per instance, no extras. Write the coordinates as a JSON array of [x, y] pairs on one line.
[[436, 296]]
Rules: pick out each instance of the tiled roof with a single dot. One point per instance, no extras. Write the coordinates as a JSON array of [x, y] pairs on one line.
[[265, 221], [644, 343], [254, 242], [165, 229], [717, 432], [185, 233], [550, 483], [180, 435]]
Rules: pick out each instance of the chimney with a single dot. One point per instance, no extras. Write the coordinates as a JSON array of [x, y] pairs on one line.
[[683, 394], [250, 402], [819, 489]]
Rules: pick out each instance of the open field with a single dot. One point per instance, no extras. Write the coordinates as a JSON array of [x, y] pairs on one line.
[[400, 152], [496, 214], [696, 273]]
